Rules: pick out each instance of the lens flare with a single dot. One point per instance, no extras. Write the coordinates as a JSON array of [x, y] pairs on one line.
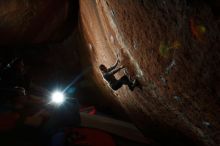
[[57, 97]]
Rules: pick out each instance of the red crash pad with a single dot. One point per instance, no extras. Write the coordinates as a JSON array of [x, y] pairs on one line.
[[91, 137]]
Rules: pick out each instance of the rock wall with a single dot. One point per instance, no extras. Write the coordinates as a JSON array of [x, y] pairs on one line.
[[35, 21], [172, 48]]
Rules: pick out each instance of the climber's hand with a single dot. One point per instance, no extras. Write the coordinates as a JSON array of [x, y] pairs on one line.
[[122, 67]]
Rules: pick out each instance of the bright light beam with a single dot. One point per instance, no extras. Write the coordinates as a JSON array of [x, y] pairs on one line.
[[57, 97], [77, 78]]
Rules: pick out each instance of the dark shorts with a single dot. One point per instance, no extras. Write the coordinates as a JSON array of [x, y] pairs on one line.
[[119, 83]]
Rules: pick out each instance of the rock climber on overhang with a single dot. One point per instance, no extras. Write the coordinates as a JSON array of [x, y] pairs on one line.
[[115, 84]]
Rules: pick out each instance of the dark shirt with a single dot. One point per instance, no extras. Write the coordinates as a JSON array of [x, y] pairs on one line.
[[109, 74], [110, 78]]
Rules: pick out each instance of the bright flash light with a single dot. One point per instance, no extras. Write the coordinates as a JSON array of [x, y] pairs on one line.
[[57, 97]]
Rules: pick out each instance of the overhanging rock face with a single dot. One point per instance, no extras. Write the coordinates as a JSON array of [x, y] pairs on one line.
[[172, 48], [34, 21]]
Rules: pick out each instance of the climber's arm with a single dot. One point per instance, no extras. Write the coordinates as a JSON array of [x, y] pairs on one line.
[[114, 66], [116, 70]]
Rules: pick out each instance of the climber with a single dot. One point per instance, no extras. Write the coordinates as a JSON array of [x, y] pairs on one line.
[[108, 75]]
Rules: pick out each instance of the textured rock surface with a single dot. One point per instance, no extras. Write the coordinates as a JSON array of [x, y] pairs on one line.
[[33, 21], [172, 47]]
